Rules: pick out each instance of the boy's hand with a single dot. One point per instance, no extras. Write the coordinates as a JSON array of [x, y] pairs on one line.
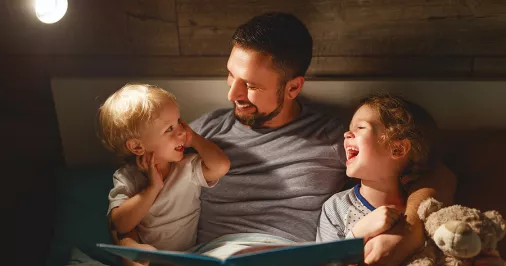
[[189, 134], [146, 163], [376, 222]]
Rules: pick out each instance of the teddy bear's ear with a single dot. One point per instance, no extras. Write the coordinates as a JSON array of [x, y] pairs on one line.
[[499, 222], [427, 207]]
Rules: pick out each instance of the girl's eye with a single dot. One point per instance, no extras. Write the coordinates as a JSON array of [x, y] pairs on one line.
[[361, 127], [169, 129]]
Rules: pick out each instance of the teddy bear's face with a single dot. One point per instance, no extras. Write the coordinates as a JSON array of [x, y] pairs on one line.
[[461, 231], [457, 239]]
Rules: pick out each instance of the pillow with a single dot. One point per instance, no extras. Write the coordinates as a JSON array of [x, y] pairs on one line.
[[81, 221]]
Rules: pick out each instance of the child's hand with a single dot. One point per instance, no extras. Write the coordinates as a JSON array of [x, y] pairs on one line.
[[146, 163], [376, 222], [189, 134]]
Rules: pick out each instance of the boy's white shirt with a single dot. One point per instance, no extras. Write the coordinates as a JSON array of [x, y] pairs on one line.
[[171, 223]]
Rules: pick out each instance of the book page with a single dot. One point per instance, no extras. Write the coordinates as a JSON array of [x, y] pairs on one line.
[[225, 251]]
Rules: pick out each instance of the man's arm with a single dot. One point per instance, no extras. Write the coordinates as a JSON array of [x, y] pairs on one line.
[[441, 184], [394, 246]]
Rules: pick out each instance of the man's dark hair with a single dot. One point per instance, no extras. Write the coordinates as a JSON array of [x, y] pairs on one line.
[[281, 35]]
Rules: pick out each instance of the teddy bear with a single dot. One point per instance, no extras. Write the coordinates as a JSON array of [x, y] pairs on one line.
[[456, 234]]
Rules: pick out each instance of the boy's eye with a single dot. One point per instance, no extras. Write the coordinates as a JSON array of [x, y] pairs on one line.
[[179, 121], [169, 129]]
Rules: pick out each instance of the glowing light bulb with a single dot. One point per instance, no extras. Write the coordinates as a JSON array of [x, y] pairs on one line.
[[50, 11]]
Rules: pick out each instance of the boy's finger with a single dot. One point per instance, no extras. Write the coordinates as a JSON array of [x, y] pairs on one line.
[[143, 161], [152, 161]]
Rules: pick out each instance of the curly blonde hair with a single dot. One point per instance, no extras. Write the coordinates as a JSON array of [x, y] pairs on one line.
[[405, 120], [126, 113]]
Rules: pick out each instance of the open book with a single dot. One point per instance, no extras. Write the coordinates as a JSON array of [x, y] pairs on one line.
[[348, 251]]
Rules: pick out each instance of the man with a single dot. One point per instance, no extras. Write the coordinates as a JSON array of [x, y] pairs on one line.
[[286, 158]]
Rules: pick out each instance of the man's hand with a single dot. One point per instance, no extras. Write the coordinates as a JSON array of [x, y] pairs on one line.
[[376, 222], [146, 163], [395, 245]]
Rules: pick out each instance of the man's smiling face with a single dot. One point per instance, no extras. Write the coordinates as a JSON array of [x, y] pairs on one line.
[[255, 86]]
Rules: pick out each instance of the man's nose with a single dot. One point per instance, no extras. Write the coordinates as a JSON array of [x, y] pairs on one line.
[[348, 135], [238, 91]]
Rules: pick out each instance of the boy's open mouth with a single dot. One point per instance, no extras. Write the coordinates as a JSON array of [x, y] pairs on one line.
[[351, 153], [179, 148]]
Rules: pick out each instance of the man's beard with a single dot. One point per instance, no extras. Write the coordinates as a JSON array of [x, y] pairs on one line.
[[256, 119]]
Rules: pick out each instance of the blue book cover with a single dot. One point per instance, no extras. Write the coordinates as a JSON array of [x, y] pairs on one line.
[[305, 254]]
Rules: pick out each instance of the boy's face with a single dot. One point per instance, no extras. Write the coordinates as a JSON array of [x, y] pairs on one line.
[[367, 155], [165, 136], [255, 88]]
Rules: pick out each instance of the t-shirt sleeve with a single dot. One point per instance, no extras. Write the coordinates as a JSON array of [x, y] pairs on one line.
[[197, 176], [124, 187], [330, 226]]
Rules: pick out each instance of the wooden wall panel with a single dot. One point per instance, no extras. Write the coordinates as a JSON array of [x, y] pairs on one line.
[[133, 66], [356, 27], [390, 67], [490, 66], [92, 27]]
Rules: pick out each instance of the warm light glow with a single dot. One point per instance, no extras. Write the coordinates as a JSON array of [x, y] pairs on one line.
[[50, 11]]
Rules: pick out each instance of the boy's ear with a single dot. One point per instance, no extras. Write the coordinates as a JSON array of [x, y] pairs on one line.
[[401, 148], [294, 87], [135, 146]]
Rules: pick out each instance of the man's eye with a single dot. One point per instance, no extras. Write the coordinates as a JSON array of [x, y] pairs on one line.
[[169, 129], [250, 87]]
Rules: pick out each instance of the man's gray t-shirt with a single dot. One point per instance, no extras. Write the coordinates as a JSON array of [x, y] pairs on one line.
[[279, 178]]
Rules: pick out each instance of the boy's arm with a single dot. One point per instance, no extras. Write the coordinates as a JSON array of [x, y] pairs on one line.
[[375, 223], [394, 246], [131, 212], [215, 162]]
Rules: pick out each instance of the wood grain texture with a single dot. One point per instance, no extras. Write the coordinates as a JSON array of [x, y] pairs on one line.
[[390, 67], [356, 27], [92, 27], [490, 66]]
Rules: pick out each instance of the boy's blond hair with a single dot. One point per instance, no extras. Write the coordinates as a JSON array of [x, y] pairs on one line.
[[127, 112]]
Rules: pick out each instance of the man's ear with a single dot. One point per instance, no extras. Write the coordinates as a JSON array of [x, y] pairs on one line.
[[135, 146], [401, 148], [294, 87]]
